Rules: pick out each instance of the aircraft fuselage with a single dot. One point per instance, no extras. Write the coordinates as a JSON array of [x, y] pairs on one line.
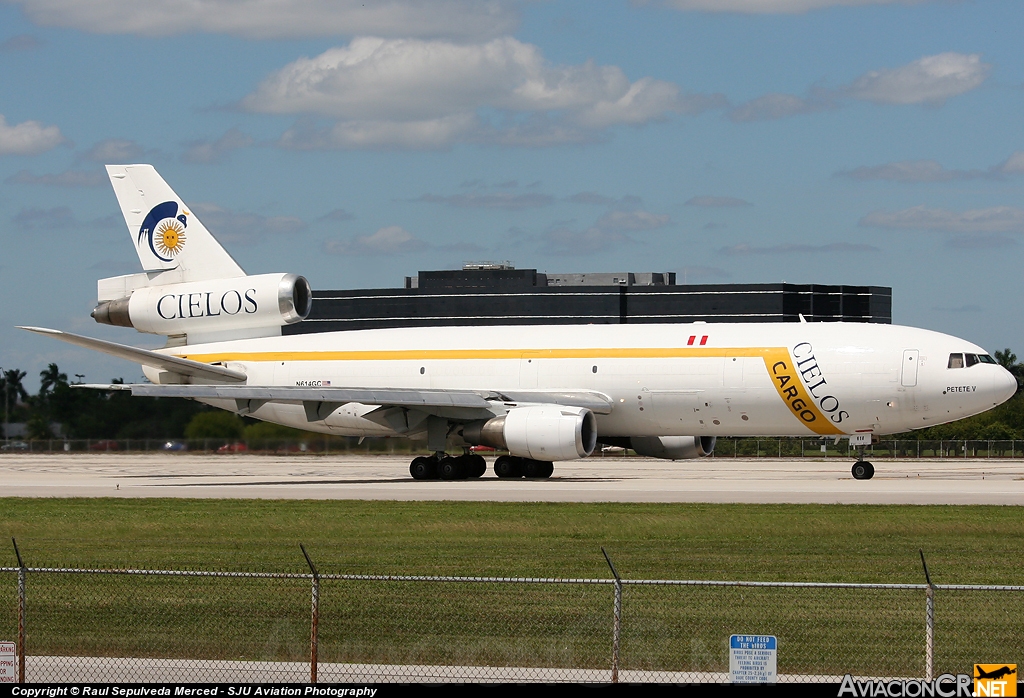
[[779, 379]]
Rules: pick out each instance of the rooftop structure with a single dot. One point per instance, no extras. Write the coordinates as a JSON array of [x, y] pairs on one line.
[[498, 294]]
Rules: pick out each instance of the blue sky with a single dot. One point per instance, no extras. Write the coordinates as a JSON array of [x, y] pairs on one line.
[[808, 141]]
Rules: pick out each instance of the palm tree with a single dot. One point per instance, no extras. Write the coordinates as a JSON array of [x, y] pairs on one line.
[[11, 383], [1006, 358], [50, 379]]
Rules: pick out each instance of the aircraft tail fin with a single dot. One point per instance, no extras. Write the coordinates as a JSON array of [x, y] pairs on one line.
[[167, 235]]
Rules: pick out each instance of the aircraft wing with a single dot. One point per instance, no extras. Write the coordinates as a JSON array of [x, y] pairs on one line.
[[248, 397], [145, 357], [388, 397]]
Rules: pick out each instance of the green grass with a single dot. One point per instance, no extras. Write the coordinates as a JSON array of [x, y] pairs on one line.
[[515, 625], [969, 544]]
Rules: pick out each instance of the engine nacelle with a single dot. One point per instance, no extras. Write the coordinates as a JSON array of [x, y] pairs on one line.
[[208, 307], [673, 447], [540, 432]]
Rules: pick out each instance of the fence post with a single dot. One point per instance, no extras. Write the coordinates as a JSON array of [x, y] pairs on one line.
[[929, 623], [617, 618], [22, 573], [314, 625]]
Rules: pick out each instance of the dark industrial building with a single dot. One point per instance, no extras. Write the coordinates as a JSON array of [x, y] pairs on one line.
[[498, 294]]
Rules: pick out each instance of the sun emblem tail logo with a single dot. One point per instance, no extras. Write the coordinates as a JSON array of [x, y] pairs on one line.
[[164, 230], [170, 237]]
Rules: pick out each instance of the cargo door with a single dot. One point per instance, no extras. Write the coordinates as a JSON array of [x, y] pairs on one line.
[[675, 410], [911, 359]]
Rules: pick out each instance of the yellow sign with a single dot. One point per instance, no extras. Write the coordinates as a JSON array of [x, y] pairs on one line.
[[995, 679]]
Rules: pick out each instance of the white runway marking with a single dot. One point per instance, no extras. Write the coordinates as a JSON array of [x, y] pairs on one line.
[[602, 479]]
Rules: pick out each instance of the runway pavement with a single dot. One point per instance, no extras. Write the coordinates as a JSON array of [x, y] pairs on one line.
[[598, 479]]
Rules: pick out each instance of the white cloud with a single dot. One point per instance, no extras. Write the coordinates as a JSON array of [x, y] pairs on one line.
[[929, 80], [904, 171], [745, 249], [392, 240], [28, 138], [777, 106], [113, 150], [564, 240], [608, 231], [999, 219], [275, 19], [216, 150], [415, 135], [338, 215], [499, 200], [21, 42], [631, 221], [980, 242], [1013, 164], [416, 93], [55, 220], [70, 178], [685, 275], [245, 228], [775, 6], [932, 171], [717, 202]]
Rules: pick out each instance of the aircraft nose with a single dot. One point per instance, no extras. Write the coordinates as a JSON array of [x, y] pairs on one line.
[[1004, 385]]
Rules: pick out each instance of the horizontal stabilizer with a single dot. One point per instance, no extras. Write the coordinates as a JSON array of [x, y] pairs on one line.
[[174, 364]]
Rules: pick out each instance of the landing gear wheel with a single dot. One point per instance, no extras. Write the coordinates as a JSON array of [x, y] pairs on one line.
[[862, 470], [537, 468], [449, 468], [423, 468], [476, 466], [508, 466]]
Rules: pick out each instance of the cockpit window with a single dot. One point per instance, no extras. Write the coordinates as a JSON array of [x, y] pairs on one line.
[[956, 361], [986, 359], [971, 359]]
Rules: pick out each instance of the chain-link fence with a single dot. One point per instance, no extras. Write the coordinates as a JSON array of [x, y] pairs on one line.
[[746, 448], [205, 626]]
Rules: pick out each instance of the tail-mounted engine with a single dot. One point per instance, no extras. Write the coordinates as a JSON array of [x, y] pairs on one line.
[[210, 307]]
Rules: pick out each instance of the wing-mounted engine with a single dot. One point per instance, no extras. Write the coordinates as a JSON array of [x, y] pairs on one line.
[[540, 432], [244, 306], [673, 447]]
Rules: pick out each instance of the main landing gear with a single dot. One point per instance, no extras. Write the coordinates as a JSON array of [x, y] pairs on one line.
[[514, 466], [444, 467]]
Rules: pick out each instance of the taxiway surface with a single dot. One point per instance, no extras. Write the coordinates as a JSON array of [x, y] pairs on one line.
[[602, 479]]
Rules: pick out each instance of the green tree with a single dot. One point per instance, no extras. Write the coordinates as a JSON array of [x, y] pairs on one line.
[[50, 379], [217, 424], [1008, 360], [12, 385]]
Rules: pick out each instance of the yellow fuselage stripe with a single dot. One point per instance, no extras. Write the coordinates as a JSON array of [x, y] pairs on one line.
[[777, 361], [462, 354]]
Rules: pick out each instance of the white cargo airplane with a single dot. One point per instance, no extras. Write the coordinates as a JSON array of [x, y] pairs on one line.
[[543, 393]]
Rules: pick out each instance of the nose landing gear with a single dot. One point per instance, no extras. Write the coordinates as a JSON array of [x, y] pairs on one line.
[[862, 470]]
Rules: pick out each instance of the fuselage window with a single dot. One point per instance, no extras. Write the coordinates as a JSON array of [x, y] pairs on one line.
[[986, 359], [971, 359], [956, 361]]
